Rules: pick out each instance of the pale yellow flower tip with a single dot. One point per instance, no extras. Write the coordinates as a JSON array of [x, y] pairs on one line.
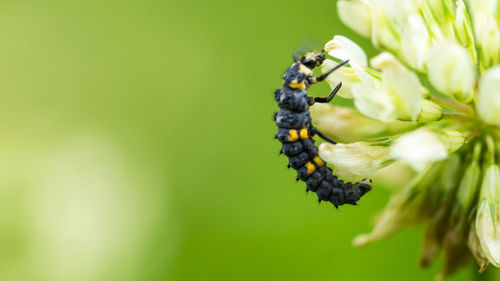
[[349, 10], [343, 48], [354, 161], [361, 240], [387, 223], [419, 148], [386, 60], [451, 70], [488, 100]]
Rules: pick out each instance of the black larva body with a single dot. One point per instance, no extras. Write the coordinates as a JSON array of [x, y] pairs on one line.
[[295, 131]]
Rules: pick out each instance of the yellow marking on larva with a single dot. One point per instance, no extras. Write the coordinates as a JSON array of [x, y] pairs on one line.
[[310, 168], [293, 136], [318, 161], [296, 85], [303, 134]]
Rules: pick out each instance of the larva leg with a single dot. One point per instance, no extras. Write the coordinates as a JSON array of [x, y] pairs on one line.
[[321, 135], [313, 80], [330, 97]]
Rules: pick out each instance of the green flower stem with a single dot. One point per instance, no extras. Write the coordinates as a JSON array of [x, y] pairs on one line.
[[457, 106]]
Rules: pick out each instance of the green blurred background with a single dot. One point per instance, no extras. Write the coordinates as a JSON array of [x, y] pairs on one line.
[[137, 144]]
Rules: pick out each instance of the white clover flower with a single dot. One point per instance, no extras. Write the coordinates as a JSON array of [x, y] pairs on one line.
[[396, 95], [430, 99], [419, 148], [354, 161], [451, 70]]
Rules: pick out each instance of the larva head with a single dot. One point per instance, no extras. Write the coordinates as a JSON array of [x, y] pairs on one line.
[[312, 59], [363, 186]]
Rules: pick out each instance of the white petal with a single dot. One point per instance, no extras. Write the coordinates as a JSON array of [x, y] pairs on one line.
[[400, 84], [451, 70], [405, 87], [364, 76], [382, 31], [350, 10], [355, 160], [419, 148], [345, 124], [488, 100], [345, 75], [374, 103], [344, 49], [416, 42]]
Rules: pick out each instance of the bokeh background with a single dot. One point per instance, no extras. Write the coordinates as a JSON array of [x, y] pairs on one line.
[[136, 143]]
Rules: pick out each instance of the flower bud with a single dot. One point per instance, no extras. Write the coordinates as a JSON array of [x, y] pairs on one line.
[[468, 186], [430, 111], [487, 218], [354, 161], [488, 103], [451, 70], [450, 175], [349, 10], [419, 148], [455, 140], [475, 248]]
